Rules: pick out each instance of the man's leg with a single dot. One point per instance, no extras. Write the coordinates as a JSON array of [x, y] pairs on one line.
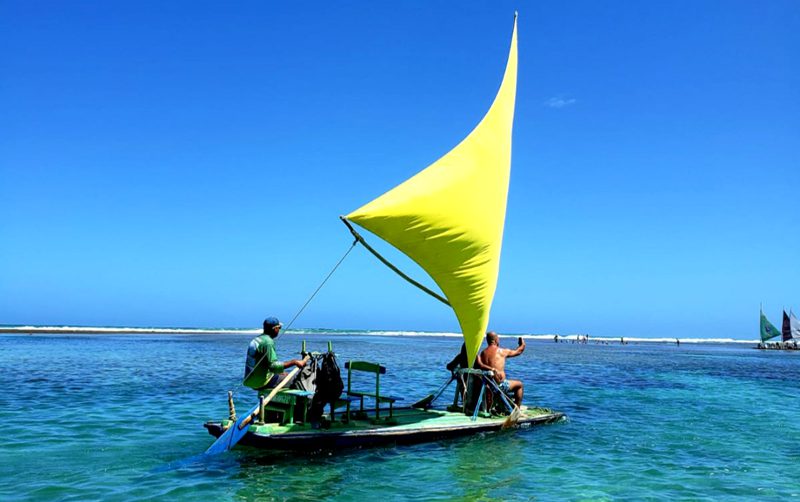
[[516, 387]]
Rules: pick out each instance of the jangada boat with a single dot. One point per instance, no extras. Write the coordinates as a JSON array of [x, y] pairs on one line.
[[449, 219], [789, 333]]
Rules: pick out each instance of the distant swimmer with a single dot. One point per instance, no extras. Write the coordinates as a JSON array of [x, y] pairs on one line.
[[555, 338], [677, 342], [494, 357]]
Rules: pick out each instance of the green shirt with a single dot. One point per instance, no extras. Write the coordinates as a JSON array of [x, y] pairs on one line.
[[262, 362]]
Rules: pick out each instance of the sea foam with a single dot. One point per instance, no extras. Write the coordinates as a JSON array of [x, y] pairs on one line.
[[117, 330]]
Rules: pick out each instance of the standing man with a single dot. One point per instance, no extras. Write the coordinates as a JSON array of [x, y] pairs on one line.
[[495, 357], [262, 367]]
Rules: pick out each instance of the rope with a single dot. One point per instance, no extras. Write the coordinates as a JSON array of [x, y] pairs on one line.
[[392, 267], [239, 386], [319, 287], [442, 388]]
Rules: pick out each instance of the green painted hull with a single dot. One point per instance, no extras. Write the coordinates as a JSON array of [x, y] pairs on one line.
[[409, 426]]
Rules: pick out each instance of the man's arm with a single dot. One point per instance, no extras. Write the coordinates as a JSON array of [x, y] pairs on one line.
[[276, 366], [519, 350], [481, 364], [294, 362]]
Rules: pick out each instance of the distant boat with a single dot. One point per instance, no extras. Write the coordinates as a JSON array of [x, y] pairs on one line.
[[449, 219], [790, 333]]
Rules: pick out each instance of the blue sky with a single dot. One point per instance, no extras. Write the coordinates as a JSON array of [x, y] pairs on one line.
[[185, 163]]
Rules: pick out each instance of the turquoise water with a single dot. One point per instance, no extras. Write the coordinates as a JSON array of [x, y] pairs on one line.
[[95, 417]]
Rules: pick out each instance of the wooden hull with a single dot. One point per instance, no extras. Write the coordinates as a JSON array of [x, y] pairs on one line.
[[409, 426]]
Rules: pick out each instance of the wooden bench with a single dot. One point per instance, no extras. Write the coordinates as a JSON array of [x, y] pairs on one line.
[[343, 402], [377, 370]]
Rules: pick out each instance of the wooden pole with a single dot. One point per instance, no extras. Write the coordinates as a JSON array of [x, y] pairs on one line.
[[231, 408], [262, 410]]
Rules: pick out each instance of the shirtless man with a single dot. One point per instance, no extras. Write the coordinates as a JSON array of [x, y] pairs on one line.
[[495, 357]]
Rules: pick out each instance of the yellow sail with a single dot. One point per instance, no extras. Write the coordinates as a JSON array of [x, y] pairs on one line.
[[449, 217]]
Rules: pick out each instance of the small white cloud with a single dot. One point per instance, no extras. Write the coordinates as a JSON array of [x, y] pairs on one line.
[[559, 102]]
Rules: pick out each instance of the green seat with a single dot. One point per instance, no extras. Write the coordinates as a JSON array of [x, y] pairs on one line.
[[285, 402], [377, 370]]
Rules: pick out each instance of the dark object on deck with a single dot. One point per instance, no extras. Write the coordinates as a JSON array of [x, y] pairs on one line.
[[329, 386], [307, 379]]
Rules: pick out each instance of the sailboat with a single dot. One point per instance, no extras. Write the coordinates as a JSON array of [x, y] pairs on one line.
[[449, 219], [768, 331]]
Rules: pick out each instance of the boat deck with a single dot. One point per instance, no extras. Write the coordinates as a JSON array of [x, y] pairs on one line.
[[408, 426]]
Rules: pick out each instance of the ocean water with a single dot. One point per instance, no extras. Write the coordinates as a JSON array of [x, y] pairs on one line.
[[101, 416]]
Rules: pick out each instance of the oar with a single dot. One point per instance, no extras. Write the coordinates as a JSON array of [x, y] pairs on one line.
[[426, 401], [512, 419], [238, 430]]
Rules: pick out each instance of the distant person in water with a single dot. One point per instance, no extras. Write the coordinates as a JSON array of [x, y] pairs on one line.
[[495, 356], [262, 367]]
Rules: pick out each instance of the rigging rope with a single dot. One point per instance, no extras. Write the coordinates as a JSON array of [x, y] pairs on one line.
[[369, 248], [392, 267], [239, 386]]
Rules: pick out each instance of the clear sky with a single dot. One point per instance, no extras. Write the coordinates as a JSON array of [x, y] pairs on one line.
[[185, 163]]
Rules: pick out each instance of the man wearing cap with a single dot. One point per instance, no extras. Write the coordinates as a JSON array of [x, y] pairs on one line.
[[262, 367]]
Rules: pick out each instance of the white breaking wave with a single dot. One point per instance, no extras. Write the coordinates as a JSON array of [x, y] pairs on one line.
[[308, 331], [411, 333], [95, 330]]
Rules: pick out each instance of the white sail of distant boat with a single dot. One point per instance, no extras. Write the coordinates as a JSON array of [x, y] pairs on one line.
[[794, 326]]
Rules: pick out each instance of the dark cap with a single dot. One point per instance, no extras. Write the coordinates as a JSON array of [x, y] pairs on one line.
[[271, 322]]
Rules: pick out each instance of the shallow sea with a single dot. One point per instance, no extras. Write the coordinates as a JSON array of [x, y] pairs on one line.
[[99, 417]]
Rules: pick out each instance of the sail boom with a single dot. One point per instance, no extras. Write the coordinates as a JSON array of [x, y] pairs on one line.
[[386, 262]]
